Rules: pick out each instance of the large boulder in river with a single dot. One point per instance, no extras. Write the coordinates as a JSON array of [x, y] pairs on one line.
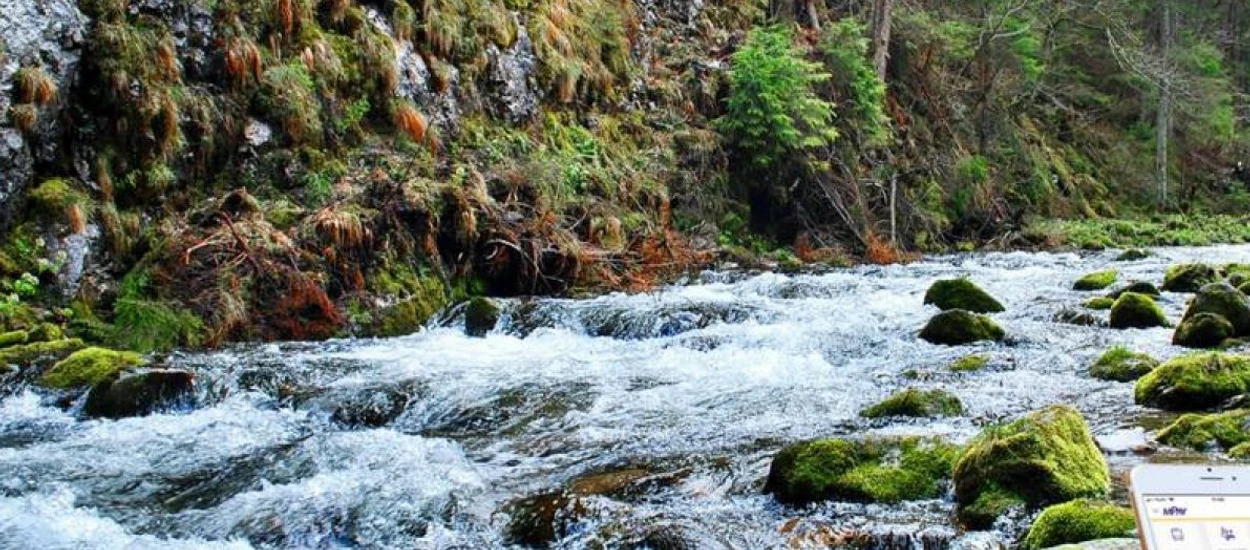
[[916, 403], [1097, 280], [1119, 364], [1044, 458], [962, 294], [139, 394], [885, 470], [1206, 432], [480, 317], [958, 327], [1189, 277], [1195, 382], [1079, 521], [1204, 330], [1133, 310], [89, 367], [1223, 300]]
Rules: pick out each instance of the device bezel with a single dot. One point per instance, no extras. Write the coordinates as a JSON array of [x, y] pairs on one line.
[[1185, 481]]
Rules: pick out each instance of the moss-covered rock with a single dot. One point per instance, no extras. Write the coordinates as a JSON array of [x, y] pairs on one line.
[[1223, 300], [1046, 457], [1189, 277], [962, 294], [1204, 331], [46, 332], [1121, 365], [89, 367], [1078, 317], [1100, 303], [1135, 310], [415, 298], [13, 338], [970, 363], [1240, 452], [1133, 255], [480, 317], [1244, 288], [1204, 432], [1097, 280], [1140, 287], [138, 394], [39, 352], [1195, 382], [958, 327], [884, 470], [916, 403], [1079, 521]]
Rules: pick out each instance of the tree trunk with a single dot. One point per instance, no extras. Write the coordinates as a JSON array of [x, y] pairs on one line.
[[812, 16], [1163, 121], [881, 35]]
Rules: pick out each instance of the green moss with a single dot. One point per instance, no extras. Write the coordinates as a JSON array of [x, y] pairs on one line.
[[1046, 457], [961, 294], [1140, 287], [970, 363], [890, 470], [1204, 330], [54, 196], [1195, 382], [415, 297], [1240, 452], [1169, 230], [1097, 280], [1223, 300], [28, 354], [90, 366], [1133, 255], [1100, 303], [916, 403], [46, 332], [13, 338], [1079, 521], [1134, 310], [958, 327], [1121, 365], [480, 317], [1189, 277], [1203, 432]]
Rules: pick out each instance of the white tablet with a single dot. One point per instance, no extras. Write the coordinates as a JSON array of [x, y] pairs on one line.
[[1192, 507]]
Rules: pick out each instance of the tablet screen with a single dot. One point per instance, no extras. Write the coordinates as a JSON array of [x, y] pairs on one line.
[[1199, 522]]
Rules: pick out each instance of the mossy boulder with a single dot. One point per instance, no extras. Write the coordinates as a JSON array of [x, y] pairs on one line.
[[13, 338], [1205, 432], [1195, 382], [1044, 458], [1189, 277], [916, 403], [962, 294], [1097, 280], [1100, 303], [1223, 300], [970, 363], [958, 327], [1078, 317], [1140, 287], [1119, 364], [1133, 310], [1240, 452], [885, 470], [139, 394], [1204, 330], [1079, 521], [46, 332], [39, 353], [1133, 255], [1244, 288], [480, 317], [89, 367]]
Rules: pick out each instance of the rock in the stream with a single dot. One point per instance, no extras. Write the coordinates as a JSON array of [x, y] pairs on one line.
[[1189, 277], [1223, 300], [1195, 382], [1203, 331], [1079, 521], [480, 317], [1206, 432], [958, 327], [962, 294], [884, 470], [1135, 310], [916, 403], [1133, 255], [139, 394], [1119, 364], [1097, 280], [1101, 303], [1140, 287], [1070, 316], [970, 363], [89, 367], [1046, 457]]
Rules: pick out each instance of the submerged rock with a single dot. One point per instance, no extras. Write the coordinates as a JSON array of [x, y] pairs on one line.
[[89, 367], [1069, 316], [1097, 280], [888, 470], [1135, 310], [480, 317], [970, 363], [1204, 330], [1046, 457], [1205, 432], [1195, 382], [916, 403], [1079, 521], [1189, 277], [1121, 365], [962, 294], [139, 394], [958, 327]]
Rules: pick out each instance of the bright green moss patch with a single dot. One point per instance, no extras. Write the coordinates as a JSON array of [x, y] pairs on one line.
[[970, 363], [961, 294], [1079, 521], [417, 297], [1100, 303], [90, 366], [1133, 255], [916, 403], [1134, 310], [1204, 330], [1046, 457], [888, 470], [1171, 230], [958, 327], [28, 354], [1195, 382], [1122, 365], [46, 332], [1189, 277], [1097, 280], [1202, 432], [13, 338]]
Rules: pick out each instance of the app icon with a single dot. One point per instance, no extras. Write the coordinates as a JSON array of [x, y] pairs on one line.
[[1178, 534], [1227, 534]]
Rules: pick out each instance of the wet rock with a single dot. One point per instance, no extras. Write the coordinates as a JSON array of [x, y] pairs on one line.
[[958, 327], [139, 394], [90, 366], [1135, 310], [1189, 277], [191, 23], [512, 87], [353, 406], [1140, 287], [1119, 364], [416, 84], [1096, 281], [1079, 521], [1133, 255], [916, 403], [480, 317], [1195, 382], [1206, 432], [1223, 300], [1204, 330], [509, 410], [962, 294], [1046, 457], [1069, 316], [884, 470]]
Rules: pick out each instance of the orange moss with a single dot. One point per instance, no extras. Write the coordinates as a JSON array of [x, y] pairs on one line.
[[411, 123], [880, 251], [243, 62]]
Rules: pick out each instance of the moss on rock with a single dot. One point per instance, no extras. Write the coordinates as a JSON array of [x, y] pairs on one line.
[[1195, 382], [1203, 432], [415, 299], [1133, 255], [46, 332], [970, 363], [1204, 330], [1189, 277], [1133, 310], [13, 338], [885, 470], [1097, 280], [1100, 303], [957, 327], [1223, 300], [962, 294], [89, 367], [1140, 287], [1119, 364], [1046, 457], [39, 352], [916, 403], [480, 317], [1079, 521]]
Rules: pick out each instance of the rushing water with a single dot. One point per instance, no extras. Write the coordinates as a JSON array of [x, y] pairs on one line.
[[424, 441]]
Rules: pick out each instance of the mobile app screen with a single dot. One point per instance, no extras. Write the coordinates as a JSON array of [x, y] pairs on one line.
[[1194, 522]]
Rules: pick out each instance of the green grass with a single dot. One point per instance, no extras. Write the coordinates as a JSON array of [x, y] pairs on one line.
[[1170, 230]]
